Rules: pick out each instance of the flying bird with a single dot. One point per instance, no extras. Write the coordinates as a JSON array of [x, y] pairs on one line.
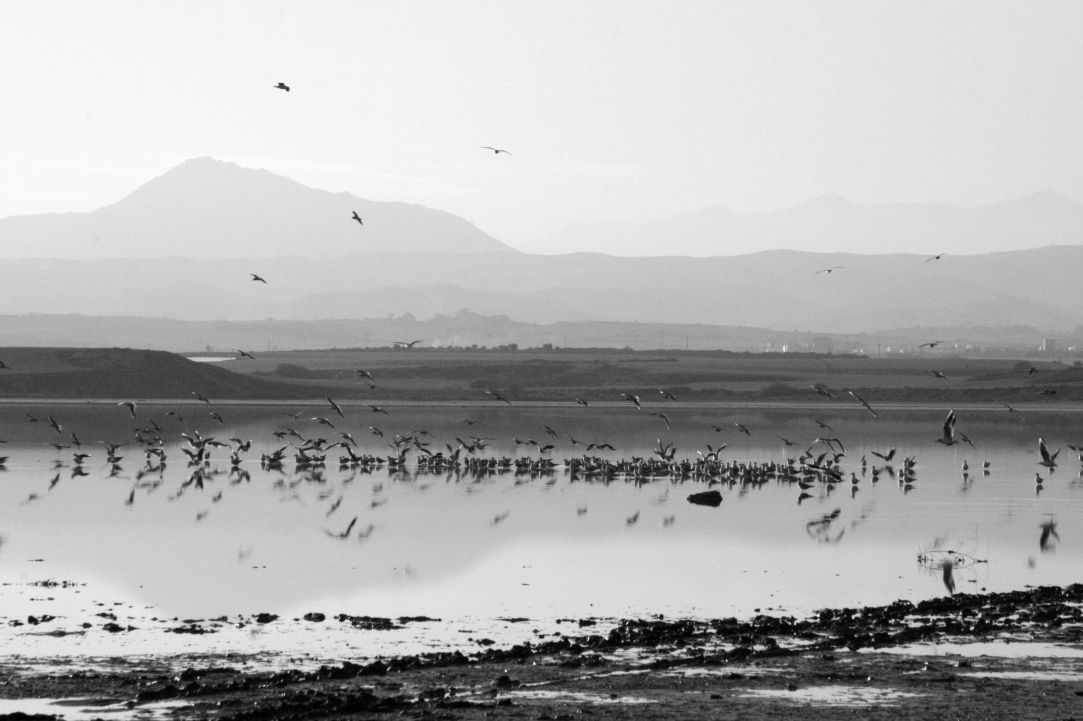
[[665, 419], [496, 396], [632, 398], [931, 344], [130, 405], [863, 402], [1049, 460], [938, 256], [496, 151], [829, 271], [666, 394], [258, 279], [245, 354], [282, 86], [358, 218], [335, 407], [404, 343], [947, 432]]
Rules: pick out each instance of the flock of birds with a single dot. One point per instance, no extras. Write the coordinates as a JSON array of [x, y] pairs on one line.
[[814, 470], [817, 467]]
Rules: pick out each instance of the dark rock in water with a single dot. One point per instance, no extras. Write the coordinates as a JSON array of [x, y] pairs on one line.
[[315, 617], [368, 623], [266, 617], [706, 498], [20, 716], [506, 681], [192, 629]]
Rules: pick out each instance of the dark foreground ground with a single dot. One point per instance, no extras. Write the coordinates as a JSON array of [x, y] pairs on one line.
[[837, 664]]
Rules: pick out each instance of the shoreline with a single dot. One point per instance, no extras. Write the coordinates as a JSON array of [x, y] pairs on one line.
[[903, 406], [870, 657]]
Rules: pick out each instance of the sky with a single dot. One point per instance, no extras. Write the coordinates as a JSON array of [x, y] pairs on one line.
[[612, 110]]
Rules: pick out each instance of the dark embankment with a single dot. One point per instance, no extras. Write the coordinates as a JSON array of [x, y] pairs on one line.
[[125, 373]]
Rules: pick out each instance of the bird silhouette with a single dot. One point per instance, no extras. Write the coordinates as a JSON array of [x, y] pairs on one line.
[[258, 279], [947, 431], [1049, 460], [282, 86], [864, 403], [358, 219], [1049, 532], [496, 151]]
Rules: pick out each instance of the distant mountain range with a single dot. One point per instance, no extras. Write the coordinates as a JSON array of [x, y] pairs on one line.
[[183, 246], [206, 208], [836, 224]]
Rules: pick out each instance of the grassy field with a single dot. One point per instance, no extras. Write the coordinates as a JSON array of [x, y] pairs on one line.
[[438, 374], [559, 375]]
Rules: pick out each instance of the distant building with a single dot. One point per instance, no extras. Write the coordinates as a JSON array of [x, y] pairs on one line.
[[823, 344], [1049, 345]]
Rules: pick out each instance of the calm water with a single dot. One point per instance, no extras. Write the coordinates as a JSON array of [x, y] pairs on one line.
[[472, 551]]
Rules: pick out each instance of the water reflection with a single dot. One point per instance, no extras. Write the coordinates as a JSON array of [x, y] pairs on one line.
[[197, 525]]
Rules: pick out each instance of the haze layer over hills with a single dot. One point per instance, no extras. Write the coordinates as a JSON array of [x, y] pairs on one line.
[[183, 245], [206, 208]]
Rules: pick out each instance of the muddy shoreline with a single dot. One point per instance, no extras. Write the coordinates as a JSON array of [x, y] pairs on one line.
[[661, 668]]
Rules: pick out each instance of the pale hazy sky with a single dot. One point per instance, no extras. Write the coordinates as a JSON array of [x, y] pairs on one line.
[[614, 109]]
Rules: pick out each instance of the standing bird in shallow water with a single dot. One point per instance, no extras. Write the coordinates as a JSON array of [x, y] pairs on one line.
[[947, 569]]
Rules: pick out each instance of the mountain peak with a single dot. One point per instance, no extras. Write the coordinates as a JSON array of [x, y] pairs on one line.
[[205, 207]]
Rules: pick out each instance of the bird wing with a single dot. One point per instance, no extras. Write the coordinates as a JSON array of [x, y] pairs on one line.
[[949, 426], [1043, 451]]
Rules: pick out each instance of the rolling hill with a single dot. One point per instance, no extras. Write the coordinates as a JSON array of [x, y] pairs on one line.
[[125, 373], [183, 245], [206, 208]]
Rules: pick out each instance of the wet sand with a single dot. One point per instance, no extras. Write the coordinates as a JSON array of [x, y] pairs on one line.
[[898, 661]]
